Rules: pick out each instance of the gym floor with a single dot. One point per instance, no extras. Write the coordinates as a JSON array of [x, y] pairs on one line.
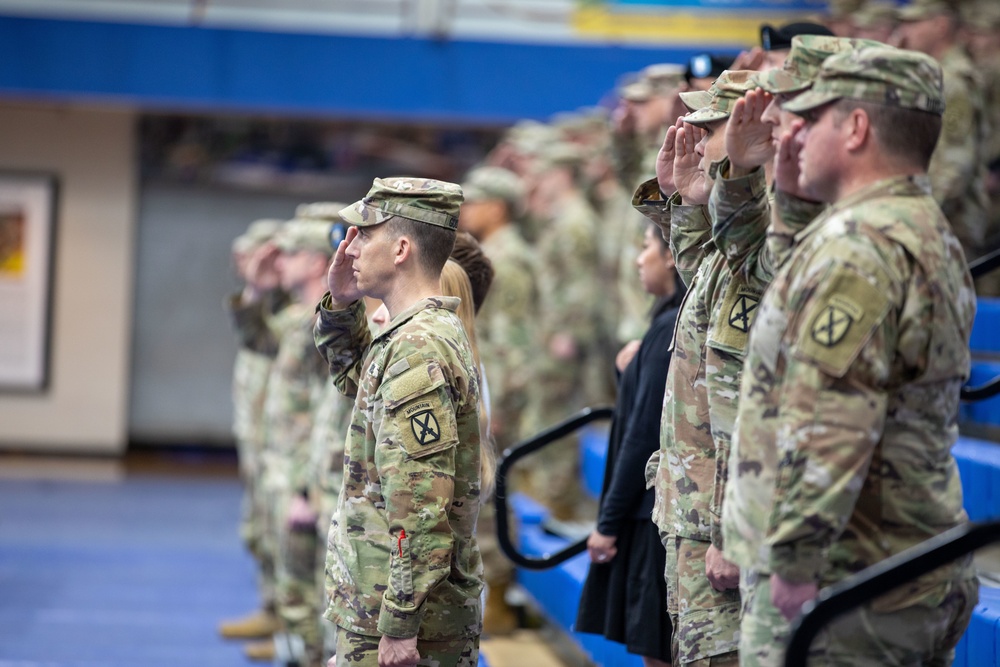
[[134, 560]]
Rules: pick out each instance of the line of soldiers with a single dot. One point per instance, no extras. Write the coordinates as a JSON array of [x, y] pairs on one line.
[[553, 209]]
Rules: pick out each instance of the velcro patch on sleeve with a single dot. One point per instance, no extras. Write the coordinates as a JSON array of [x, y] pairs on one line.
[[839, 322], [422, 415], [733, 319]]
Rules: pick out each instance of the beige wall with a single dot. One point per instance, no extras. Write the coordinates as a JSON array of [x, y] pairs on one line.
[[92, 152]]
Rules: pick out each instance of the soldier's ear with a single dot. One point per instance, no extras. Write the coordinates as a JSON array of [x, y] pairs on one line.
[[859, 129], [403, 249]]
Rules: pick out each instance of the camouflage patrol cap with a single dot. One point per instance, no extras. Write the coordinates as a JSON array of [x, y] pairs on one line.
[[696, 99], [258, 233], [420, 199], [320, 210], [983, 15], [560, 154], [494, 183], [663, 78], [300, 234], [729, 87], [804, 60], [919, 10], [883, 75], [872, 14]]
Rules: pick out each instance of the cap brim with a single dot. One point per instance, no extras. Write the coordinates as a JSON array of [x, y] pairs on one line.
[[360, 214], [705, 116], [695, 100], [778, 82], [811, 99], [913, 13]]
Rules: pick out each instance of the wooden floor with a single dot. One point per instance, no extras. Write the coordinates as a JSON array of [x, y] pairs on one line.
[[119, 562]]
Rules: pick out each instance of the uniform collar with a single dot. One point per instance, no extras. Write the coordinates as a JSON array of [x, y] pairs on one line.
[[443, 302]]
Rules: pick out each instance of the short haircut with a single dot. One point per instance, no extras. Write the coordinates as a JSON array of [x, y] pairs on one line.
[[434, 244], [478, 267], [910, 134]]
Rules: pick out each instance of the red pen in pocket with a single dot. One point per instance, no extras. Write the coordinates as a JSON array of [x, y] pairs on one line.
[[399, 542]]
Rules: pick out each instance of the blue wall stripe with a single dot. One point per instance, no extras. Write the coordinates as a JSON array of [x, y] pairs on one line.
[[159, 67]]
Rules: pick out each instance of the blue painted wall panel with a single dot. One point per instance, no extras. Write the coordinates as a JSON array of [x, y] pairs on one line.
[[205, 68]]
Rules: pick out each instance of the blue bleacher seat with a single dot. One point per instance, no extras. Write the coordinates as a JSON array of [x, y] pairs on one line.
[[986, 328]]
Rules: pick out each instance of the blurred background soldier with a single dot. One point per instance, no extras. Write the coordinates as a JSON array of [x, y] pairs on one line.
[[958, 169], [299, 257], [250, 373], [875, 19]]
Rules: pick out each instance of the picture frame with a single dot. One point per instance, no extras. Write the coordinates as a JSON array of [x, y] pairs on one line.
[[28, 205]]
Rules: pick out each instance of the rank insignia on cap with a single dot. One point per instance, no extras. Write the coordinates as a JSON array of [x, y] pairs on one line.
[[831, 325], [425, 427], [742, 312]]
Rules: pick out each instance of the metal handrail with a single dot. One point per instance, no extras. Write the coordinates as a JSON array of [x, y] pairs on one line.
[[982, 392], [881, 578], [982, 265], [512, 456]]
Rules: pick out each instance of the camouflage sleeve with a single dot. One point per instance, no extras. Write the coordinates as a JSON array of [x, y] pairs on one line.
[[789, 216], [507, 343], [649, 201], [342, 337], [690, 234], [250, 323], [955, 159], [627, 156], [840, 341], [415, 458], [740, 212], [305, 376], [571, 307]]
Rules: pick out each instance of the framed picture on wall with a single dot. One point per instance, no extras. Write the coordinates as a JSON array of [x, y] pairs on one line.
[[27, 251]]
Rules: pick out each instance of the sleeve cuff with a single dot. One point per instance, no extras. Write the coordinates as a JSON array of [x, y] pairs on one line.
[[797, 563], [394, 622]]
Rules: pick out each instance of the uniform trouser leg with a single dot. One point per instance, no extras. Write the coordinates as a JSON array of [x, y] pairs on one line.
[[256, 529], [298, 602], [763, 630], [706, 621], [354, 650]]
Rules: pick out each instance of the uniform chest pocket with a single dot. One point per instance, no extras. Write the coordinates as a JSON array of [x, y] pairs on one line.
[[419, 410]]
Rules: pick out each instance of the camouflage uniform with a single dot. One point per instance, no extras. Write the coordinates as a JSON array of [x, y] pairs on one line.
[[568, 289], [403, 560], [698, 406], [848, 407], [958, 167]]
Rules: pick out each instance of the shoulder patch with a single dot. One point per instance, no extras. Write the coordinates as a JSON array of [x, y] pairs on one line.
[[839, 322], [735, 317]]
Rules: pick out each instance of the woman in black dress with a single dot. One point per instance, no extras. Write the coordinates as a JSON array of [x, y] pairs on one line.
[[625, 597]]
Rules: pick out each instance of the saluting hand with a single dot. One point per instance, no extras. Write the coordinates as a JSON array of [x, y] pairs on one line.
[[665, 160], [691, 181], [786, 161], [340, 278], [748, 138]]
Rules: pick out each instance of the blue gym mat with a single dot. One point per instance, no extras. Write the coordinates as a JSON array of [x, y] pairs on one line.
[[121, 574]]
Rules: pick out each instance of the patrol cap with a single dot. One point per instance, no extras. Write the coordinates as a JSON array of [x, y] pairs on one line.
[[776, 39], [696, 99], [258, 233], [919, 10], [804, 60], [560, 154], [982, 15], [299, 234], [494, 183], [421, 199], [873, 14], [328, 211], [729, 87], [663, 78], [882, 74]]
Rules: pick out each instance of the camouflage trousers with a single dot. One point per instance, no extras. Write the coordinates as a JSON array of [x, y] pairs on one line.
[[297, 591], [354, 650], [706, 621], [920, 634], [256, 535]]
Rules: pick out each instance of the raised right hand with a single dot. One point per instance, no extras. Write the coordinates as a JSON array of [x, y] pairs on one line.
[[340, 278], [748, 138], [691, 182]]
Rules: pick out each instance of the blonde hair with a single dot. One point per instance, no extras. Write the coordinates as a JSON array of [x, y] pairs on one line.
[[455, 282]]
